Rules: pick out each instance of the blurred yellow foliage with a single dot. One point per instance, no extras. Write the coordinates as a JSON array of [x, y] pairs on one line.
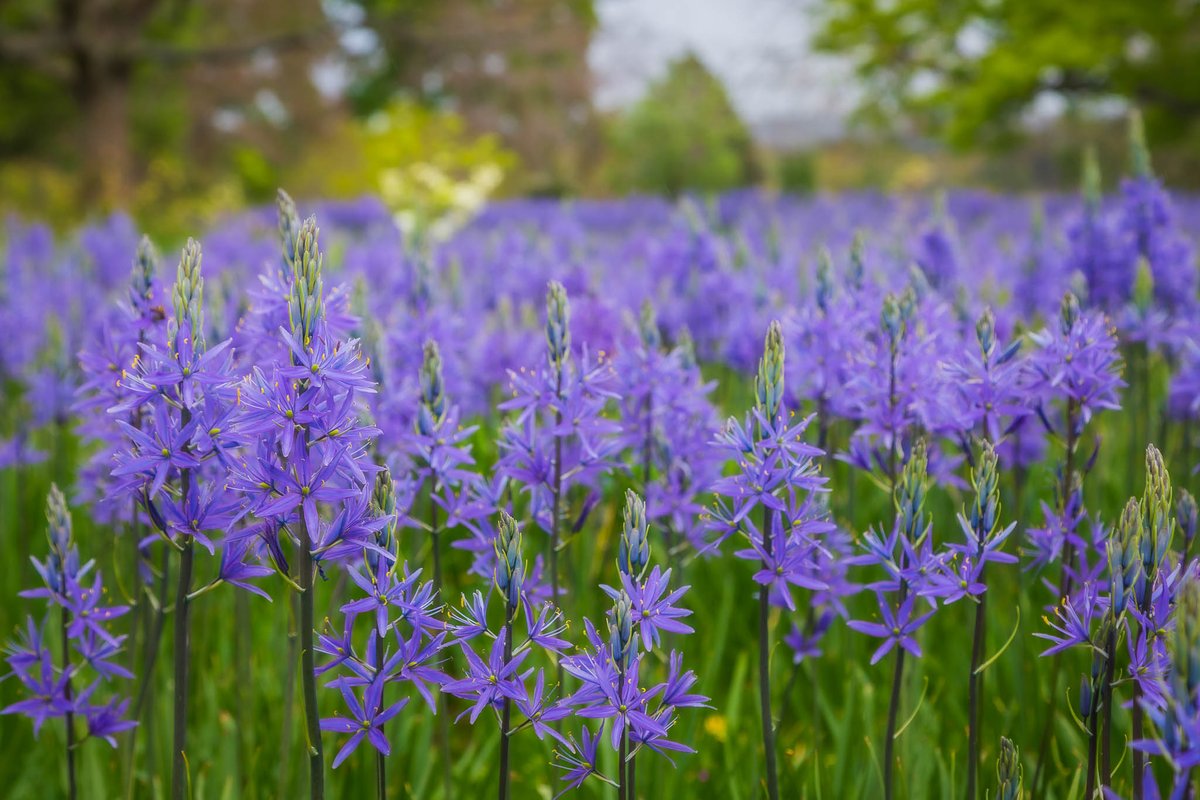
[[423, 163]]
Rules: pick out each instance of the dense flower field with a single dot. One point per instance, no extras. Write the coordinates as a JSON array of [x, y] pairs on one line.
[[852, 496]]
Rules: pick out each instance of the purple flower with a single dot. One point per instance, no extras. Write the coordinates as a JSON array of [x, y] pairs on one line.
[[624, 704], [896, 628], [106, 721], [488, 683], [366, 719], [87, 615], [541, 712], [652, 612], [580, 760], [1073, 620]]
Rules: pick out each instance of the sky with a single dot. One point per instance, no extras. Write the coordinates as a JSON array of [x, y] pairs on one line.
[[760, 49]]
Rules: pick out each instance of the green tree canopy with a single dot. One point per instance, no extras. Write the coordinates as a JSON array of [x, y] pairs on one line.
[[969, 69], [683, 135]]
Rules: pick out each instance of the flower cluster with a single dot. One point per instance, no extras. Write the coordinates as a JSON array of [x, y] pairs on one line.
[[400, 642], [559, 438], [613, 672], [667, 420], [306, 439], [88, 659]]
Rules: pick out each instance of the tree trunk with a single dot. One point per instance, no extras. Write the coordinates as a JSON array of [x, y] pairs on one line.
[[106, 139]]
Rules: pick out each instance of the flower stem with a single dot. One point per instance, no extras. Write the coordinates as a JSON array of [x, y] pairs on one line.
[[1106, 705], [380, 760], [1137, 735], [506, 708], [72, 791], [442, 711], [1064, 590], [622, 789], [241, 654], [149, 661], [973, 692], [183, 587], [1093, 720], [893, 709], [308, 677], [623, 750], [289, 696], [556, 510], [764, 667]]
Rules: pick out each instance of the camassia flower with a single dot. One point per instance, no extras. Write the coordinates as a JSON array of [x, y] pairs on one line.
[[366, 720], [68, 690], [895, 629]]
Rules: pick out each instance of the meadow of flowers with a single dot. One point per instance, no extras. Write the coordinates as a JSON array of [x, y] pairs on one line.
[[856, 496]]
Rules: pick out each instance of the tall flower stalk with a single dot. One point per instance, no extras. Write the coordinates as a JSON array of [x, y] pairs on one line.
[[1076, 365], [405, 636], [1158, 520], [768, 386], [559, 438], [441, 455], [311, 450], [510, 574], [87, 646], [912, 567], [777, 478], [984, 539]]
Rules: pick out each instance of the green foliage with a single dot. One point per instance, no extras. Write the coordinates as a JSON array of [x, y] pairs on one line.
[[969, 69], [797, 172], [423, 163], [683, 135], [830, 710]]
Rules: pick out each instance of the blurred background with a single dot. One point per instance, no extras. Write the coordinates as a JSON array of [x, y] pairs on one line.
[[180, 110]]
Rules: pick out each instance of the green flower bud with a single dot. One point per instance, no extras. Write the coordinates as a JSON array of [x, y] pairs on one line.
[[911, 491], [510, 566], [768, 383], [187, 295], [1008, 771], [432, 411], [648, 328], [306, 303], [558, 325], [633, 551]]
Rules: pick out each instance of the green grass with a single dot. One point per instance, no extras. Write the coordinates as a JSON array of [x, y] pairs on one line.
[[831, 720]]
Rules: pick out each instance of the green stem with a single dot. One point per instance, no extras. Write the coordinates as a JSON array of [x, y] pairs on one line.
[[183, 587], [556, 512], [764, 666], [1093, 721], [973, 693], [893, 710], [442, 710], [149, 662], [308, 677], [1106, 707], [289, 697], [72, 791], [506, 708], [380, 759]]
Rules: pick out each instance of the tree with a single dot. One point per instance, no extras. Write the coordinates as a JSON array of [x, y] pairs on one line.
[[71, 70], [970, 69], [683, 135]]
